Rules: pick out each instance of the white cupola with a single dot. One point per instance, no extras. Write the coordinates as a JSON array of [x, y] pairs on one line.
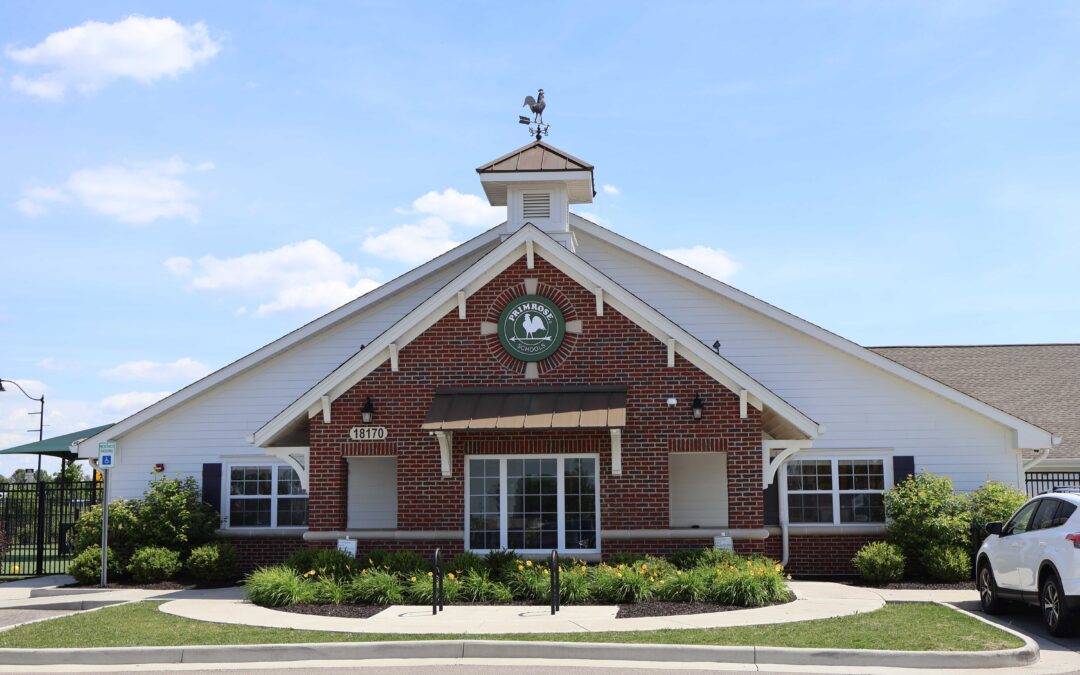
[[537, 184]]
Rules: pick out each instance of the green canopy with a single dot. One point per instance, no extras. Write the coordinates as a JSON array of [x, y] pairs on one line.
[[57, 446]]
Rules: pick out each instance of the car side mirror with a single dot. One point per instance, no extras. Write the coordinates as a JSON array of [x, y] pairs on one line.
[[994, 528]]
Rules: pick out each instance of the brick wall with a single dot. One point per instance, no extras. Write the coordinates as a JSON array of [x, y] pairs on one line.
[[256, 551], [611, 350], [825, 555]]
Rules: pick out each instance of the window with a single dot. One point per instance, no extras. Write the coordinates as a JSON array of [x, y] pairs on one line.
[[266, 496], [697, 489], [531, 503], [1045, 515], [836, 491], [1018, 524]]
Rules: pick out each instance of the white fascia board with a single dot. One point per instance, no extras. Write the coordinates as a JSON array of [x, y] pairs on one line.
[[535, 176], [480, 274], [88, 447], [1027, 435]]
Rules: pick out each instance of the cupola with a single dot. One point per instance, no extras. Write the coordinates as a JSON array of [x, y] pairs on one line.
[[537, 184]]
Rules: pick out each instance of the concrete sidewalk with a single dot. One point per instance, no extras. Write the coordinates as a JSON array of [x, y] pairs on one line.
[[814, 600]]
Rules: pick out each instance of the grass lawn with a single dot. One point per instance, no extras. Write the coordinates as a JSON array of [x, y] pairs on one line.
[[912, 627]]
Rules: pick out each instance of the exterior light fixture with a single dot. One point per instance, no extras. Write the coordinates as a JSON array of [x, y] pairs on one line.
[[367, 413], [697, 406]]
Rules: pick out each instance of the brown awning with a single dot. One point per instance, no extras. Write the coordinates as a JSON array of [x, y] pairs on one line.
[[527, 408]]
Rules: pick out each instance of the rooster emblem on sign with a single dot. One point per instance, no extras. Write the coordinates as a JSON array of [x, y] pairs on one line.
[[532, 324]]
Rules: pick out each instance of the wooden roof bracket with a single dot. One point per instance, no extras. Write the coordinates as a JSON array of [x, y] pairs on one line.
[[616, 451], [297, 458], [771, 465], [446, 450], [325, 401]]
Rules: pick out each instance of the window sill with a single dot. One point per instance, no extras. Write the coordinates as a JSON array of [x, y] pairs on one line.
[[261, 532]]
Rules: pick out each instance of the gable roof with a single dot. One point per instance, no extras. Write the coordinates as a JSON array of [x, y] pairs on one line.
[[1037, 383], [477, 244], [413, 324], [1028, 435], [536, 156]]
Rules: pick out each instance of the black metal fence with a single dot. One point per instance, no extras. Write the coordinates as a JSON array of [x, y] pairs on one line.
[[37, 519], [1038, 482]]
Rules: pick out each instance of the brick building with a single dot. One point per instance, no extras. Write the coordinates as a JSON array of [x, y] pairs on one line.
[[553, 385]]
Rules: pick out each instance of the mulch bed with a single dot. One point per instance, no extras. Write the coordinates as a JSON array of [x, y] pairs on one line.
[[342, 611]]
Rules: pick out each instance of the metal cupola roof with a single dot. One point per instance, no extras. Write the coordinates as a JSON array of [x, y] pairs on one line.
[[538, 162]]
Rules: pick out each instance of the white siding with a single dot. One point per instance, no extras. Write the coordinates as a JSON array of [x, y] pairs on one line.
[[860, 405], [217, 423], [372, 497], [698, 489]]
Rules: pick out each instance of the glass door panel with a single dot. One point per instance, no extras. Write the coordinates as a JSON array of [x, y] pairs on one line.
[[532, 507]]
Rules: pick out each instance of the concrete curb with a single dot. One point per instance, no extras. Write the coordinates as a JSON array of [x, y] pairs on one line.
[[507, 649]]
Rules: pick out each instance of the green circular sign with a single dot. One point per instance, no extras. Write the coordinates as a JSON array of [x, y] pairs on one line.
[[531, 328]]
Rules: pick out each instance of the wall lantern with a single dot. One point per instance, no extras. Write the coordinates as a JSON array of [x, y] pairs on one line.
[[367, 413], [697, 406]]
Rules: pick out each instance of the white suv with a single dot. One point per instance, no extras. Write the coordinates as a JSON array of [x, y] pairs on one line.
[[1035, 558]]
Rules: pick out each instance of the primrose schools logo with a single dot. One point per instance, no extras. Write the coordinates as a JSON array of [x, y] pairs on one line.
[[531, 328]]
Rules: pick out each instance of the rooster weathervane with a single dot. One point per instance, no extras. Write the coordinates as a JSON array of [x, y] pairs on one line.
[[537, 126]]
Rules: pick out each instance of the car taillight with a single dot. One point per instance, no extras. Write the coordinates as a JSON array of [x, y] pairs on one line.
[[1074, 538]]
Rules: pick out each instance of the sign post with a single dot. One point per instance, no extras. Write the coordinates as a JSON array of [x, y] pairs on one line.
[[106, 457]]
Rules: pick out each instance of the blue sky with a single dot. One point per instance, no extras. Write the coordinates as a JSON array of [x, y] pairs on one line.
[[181, 187]]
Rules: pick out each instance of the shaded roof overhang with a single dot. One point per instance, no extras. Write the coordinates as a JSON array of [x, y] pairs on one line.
[[57, 446], [499, 408]]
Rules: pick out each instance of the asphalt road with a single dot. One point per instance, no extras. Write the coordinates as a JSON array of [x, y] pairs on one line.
[[1025, 619]]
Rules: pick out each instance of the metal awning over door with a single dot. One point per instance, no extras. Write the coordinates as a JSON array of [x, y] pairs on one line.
[[527, 408]]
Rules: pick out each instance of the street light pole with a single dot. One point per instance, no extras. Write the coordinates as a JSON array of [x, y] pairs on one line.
[[40, 414]]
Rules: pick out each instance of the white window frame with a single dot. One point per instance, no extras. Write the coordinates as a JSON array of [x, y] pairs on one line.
[[835, 457], [560, 497], [227, 496]]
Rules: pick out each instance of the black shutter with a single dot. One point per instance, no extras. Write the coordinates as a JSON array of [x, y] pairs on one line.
[[211, 485], [903, 466], [772, 503]]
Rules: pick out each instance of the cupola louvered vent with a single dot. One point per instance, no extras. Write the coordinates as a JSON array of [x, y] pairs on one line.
[[536, 205]]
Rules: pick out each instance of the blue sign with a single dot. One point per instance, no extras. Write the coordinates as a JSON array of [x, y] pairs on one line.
[[106, 454]]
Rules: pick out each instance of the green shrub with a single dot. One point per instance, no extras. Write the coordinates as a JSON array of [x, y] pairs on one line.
[[947, 563], [620, 584], [467, 562], [680, 586], [418, 589], [686, 558], [624, 558], [656, 566], [406, 563], [86, 566], [574, 588], [374, 587], [715, 557], [502, 565], [173, 515], [325, 591], [993, 502], [531, 584], [324, 562], [879, 562], [213, 563], [302, 559], [124, 529], [375, 559], [479, 587], [153, 564], [750, 583], [276, 586], [924, 513]]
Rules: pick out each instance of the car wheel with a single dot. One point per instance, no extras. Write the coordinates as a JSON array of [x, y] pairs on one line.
[[988, 592], [1055, 610]]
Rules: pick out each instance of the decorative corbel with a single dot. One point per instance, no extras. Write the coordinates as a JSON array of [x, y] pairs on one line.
[[446, 449], [616, 451], [599, 293], [744, 400], [770, 465], [671, 352], [289, 456], [393, 358], [325, 400], [530, 254], [461, 304]]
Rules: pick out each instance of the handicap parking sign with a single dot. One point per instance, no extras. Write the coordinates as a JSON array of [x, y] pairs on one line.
[[106, 453]]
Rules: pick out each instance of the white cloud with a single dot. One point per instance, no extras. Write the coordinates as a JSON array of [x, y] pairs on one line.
[[456, 208], [712, 261], [35, 200], [610, 189], [179, 265], [123, 405], [91, 56], [307, 276], [137, 193], [413, 243], [51, 363], [185, 369], [433, 233]]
